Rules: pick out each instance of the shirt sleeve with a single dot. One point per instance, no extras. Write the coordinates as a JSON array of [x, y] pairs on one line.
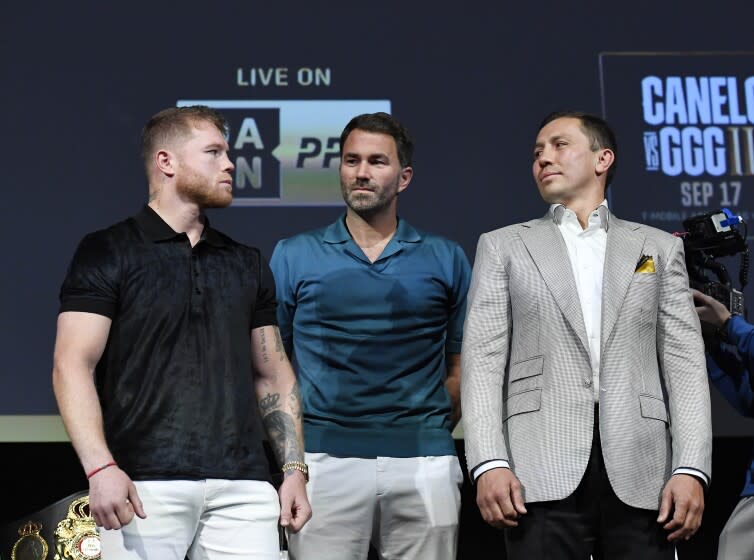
[[741, 333], [482, 468], [729, 374], [693, 472], [266, 304], [92, 282], [285, 294], [457, 304]]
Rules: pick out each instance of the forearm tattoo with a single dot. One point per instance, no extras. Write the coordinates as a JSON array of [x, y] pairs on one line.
[[269, 402], [281, 429], [296, 402]]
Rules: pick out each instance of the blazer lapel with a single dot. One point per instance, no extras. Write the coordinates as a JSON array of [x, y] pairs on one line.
[[624, 247], [550, 255]]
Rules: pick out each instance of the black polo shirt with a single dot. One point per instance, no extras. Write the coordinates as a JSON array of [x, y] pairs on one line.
[[175, 380]]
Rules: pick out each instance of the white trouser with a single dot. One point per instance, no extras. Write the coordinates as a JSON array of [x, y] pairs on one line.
[[737, 538], [202, 519], [406, 507]]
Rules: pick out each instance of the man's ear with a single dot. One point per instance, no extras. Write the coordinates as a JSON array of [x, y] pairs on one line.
[[405, 178], [165, 162], [605, 158]]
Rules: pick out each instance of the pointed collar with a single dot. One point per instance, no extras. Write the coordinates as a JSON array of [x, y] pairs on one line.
[[603, 212], [337, 232], [157, 229]]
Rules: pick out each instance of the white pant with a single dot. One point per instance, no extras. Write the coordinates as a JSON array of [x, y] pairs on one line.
[[202, 519], [737, 538], [407, 507]]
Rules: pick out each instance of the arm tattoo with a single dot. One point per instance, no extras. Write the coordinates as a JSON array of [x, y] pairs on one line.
[[263, 340], [282, 433], [269, 402], [296, 402], [279, 344]]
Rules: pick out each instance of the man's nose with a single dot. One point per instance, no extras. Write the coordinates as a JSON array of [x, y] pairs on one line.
[[228, 164], [544, 158], [362, 171]]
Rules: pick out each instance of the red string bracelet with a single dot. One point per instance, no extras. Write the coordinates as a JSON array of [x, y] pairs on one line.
[[102, 468]]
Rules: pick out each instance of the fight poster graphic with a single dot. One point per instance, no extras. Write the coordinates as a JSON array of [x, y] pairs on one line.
[[685, 127], [286, 152]]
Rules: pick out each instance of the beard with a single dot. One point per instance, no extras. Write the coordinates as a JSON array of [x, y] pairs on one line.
[[199, 190], [368, 202]]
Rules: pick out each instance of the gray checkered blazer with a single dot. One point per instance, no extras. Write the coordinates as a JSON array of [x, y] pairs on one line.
[[526, 389]]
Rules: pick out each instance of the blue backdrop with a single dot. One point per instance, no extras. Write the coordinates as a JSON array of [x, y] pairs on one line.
[[471, 80]]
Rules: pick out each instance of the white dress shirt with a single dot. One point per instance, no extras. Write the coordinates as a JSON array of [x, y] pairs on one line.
[[586, 251]]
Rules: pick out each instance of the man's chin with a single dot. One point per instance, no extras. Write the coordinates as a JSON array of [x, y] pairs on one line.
[[551, 195], [365, 206], [220, 201], [552, 198]]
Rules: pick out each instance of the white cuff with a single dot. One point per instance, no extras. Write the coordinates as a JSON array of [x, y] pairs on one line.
[[489, 465], [692, 472]]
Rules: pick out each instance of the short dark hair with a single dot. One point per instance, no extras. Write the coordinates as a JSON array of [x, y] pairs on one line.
[[382, 123], [596, 129], [175, 122]]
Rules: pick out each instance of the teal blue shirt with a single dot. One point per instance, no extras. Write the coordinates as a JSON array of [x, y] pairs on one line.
[[368, 340]]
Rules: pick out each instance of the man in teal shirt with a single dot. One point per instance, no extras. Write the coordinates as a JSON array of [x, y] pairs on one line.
[[371, 311]]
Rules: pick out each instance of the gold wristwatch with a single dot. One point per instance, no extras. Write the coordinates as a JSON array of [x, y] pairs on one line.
[[296, 466]]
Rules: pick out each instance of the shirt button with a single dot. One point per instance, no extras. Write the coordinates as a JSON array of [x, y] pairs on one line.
[[587, 382]]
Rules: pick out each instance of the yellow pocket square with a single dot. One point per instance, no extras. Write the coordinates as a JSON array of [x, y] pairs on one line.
[[646, 265]]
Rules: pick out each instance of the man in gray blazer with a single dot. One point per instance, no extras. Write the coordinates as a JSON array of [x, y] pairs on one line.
[[584, 392]]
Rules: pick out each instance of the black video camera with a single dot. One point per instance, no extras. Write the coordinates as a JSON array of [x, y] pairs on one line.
[[707, 238]]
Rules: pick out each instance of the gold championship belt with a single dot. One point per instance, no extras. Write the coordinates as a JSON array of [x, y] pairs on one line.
[[30, 544], [76, 536]]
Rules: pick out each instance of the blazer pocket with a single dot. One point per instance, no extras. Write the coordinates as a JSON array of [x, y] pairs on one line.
[[526, 368], [645, 277], [525, 375], [526, 401], [653, 407]]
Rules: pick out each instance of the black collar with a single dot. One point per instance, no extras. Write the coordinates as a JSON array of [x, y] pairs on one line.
[[157, 229]]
